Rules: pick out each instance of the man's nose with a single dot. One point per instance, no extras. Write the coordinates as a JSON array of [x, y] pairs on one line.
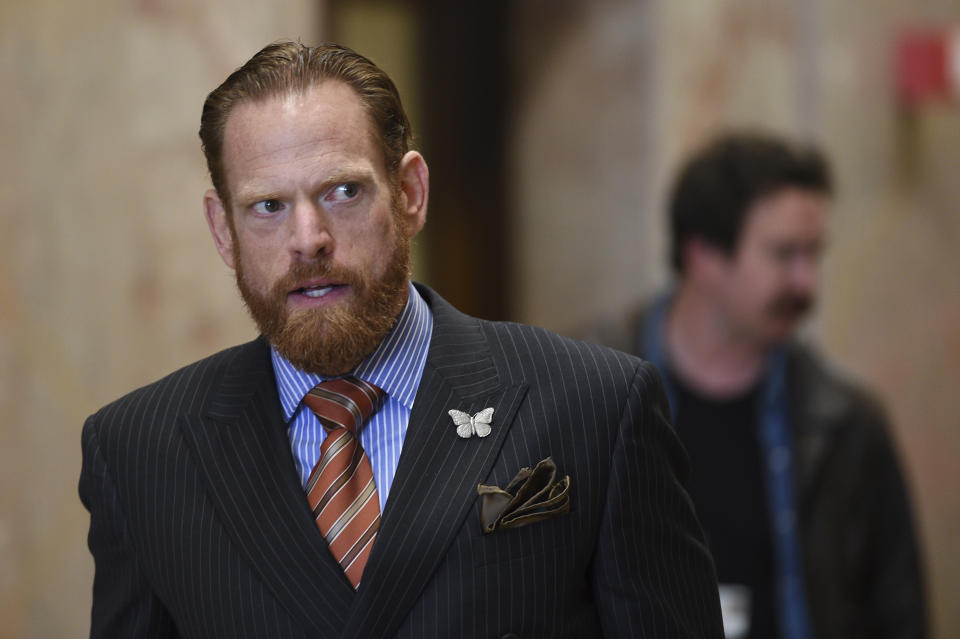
[[804, 272], [310, 236]]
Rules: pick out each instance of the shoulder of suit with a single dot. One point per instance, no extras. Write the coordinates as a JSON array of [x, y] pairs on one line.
[[620, 331], [524, 347], [171, 390]]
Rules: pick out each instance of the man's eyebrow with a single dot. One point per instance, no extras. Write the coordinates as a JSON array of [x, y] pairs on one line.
[[359, 174]]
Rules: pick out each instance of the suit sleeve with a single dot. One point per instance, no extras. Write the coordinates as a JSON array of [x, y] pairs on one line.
[[653, 575], [123, 602]]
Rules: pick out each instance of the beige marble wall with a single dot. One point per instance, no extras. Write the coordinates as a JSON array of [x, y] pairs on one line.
[[584, 125], [108, 278], [614, 94]]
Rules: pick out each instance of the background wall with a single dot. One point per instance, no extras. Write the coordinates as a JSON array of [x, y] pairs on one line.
[[108, 278]]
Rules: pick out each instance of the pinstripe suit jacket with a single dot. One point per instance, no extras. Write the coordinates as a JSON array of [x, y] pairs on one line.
[[200, 528]]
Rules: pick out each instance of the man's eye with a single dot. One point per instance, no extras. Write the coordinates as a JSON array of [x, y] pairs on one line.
[[268, 207], [346, 191]]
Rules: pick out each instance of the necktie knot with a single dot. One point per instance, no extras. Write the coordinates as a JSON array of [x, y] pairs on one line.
[[345, 402]]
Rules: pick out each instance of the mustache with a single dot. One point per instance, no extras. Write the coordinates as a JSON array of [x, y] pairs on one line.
[[301, 271], [791, 305]]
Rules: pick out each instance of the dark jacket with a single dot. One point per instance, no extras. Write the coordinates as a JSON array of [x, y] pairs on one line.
[[862, 565], [200, 526]]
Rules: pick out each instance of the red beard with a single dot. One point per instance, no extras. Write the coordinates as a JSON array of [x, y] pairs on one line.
[[331, 341]]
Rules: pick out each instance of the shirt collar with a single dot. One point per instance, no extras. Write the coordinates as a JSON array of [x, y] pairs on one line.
[[395, 365]]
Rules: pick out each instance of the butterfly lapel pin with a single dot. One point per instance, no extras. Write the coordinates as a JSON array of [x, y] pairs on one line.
[[468, 426]]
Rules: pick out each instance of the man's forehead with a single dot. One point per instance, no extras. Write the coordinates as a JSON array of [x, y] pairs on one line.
[[786, 208], [328, 118], [331, 99]]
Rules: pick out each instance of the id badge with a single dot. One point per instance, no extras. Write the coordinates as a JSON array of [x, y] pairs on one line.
[[735, 601]]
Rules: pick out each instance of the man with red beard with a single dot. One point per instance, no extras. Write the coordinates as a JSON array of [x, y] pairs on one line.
[[795, 479], [377, 464]]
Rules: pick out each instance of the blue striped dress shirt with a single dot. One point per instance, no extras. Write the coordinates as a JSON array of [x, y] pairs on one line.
[[396, 366]]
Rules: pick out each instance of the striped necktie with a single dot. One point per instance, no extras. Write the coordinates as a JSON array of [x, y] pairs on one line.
[[341, 490]]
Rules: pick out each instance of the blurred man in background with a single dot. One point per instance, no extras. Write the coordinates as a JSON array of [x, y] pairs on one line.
[[795, 478]]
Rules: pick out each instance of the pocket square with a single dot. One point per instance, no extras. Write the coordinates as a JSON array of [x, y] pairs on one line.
[[533, 495]]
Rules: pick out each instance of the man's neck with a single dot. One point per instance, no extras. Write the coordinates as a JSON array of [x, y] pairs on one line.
[[704, 350]]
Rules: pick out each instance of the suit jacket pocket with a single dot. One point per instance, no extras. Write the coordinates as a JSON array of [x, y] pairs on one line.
[[542, 538]]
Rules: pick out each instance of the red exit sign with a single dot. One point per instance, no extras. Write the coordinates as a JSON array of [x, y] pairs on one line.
[[928, 65]]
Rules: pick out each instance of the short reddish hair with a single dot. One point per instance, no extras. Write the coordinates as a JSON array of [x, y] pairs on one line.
[[291, 67]]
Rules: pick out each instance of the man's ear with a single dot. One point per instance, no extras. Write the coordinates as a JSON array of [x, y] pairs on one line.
[[216, 216], [414, 178]]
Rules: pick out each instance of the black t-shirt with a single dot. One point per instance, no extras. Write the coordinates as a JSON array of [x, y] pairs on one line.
[[728, 489]]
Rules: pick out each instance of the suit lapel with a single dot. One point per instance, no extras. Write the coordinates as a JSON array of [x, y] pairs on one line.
[[242, 448], [438, 472]]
